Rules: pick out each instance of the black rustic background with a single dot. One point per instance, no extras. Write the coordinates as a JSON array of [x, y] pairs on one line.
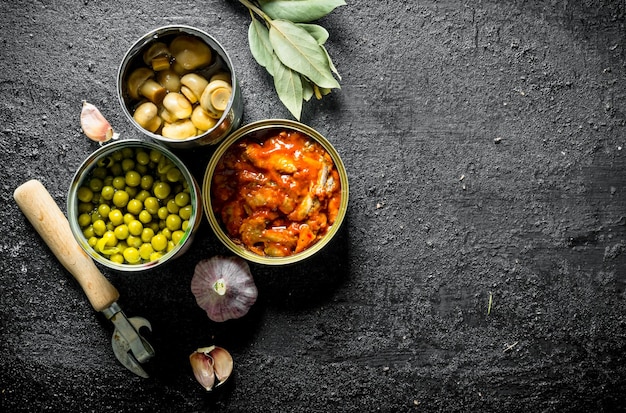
[[485, 146]]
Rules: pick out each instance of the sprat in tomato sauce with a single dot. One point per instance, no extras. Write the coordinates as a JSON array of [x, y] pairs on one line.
[[277, 193]]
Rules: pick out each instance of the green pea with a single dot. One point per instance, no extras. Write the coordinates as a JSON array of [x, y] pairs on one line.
[[117, 258], [133, 241], [107, 192], [121, 231], [108, 180], [142, 195], [142, 157], [156, 255], [84, 207], [99, 227], [89, 232], [154, 226], [151, 204], [84, 220], [146, 182], [142, 169], [147, 234], [104, 210], [119, 182], [185, 225], [161, 190], [128, 164], [85, 194], [185, 212], [116, 217], [182, 199], [95, 216], [131, 255], [92, 241], [116, 169], [166, 232], [170, 245], [134, 206], [162, 213], [96, 184], [155, 156], [177, 236], [174, 175], [128, 152], [159, 242], [172, 207], [146, 250], [128, 218], [120, 198], [117, 155], [132, 191], [133, 178], [135, 227], [173, 222], [145, 217]]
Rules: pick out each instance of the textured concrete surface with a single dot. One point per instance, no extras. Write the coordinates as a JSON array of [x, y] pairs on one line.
[[485, 144]]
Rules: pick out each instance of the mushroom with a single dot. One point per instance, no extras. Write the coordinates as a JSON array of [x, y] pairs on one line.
[[225, 76], [157, 56], [181, 129], [202, 119], [146, 115], [141, 83], [177, 105], [190, 52], [169, 79], [215, 97], [166, 115], [194, 84]]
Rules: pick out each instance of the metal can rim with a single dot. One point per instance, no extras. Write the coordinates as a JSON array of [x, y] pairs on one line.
[[255, 127], [80, 175]]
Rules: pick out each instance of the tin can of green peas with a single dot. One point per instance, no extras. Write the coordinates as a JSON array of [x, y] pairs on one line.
[[133, 205]]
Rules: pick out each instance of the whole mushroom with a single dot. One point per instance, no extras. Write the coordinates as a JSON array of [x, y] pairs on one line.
[[141, 83]]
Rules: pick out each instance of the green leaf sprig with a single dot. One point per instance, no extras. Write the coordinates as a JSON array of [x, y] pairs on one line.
[[291, 49]]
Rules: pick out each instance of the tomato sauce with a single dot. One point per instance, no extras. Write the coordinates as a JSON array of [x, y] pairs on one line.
[[276, 194]]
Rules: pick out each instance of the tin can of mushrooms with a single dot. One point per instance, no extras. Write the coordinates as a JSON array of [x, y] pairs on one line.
[[177, 85]]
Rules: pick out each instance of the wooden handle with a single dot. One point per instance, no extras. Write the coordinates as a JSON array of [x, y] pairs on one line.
[[44, 214]]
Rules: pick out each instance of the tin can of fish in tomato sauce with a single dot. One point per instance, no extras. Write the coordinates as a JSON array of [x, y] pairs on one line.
[[314, 212]]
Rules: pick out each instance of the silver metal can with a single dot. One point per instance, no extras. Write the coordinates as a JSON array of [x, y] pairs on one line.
[[133, 59]]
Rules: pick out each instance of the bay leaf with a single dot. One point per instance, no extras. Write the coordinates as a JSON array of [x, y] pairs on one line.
[[298, 50], [260, 46], [330, 63], [318, 32], [307, 89], [288, 85], [299, 10]]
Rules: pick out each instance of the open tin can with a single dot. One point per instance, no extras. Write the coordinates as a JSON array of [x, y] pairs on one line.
[[228, 119], [96, 175], [227, 173]]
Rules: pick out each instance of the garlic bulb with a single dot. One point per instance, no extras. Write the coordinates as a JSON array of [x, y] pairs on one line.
[[94, 125], [209, 364], [224, 287]]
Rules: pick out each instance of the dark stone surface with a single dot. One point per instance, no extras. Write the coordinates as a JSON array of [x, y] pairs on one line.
[[484, 141]]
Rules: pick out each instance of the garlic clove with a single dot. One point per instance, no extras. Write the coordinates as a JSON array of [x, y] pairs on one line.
[[209, 364], [202, 366], [222, 364], [94, 124]]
